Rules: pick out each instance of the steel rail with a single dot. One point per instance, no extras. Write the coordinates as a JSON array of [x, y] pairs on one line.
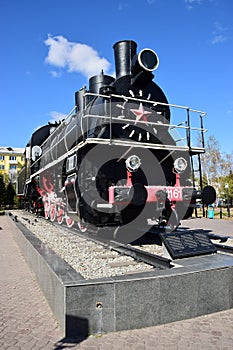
[[140, 255], [126, 249], [224, 248]]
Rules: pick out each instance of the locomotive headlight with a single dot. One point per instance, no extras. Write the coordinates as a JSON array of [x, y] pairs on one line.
[[133, 163], [180, 164]]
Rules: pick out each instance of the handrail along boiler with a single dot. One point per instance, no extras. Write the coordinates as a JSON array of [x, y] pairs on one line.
[[116, 157]]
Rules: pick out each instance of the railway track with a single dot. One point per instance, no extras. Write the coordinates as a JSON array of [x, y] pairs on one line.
[[222, 239], [224, 248], [91, 256], [139, 255]]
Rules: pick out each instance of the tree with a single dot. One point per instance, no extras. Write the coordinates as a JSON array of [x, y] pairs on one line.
[[215, 163], [10, 194], [229, 181], [2, 191], [217, 166]]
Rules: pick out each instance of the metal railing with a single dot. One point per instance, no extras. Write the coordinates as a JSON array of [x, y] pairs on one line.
[[187, 134], [187, 130]]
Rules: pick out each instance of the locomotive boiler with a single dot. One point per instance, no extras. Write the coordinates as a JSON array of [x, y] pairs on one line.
[[117, 160]]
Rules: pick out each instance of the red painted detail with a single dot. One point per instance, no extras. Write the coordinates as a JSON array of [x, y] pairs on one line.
[[60, 215], [82, 227], [177, 184], [173, 205], [46, 208], [47, 184], [111, 194], [140, 113], [52, 212], [69, 222], [174, 193], [129, 179], [40, 191]]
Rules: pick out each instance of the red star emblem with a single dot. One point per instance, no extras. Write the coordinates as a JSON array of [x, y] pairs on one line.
[[140, 113]]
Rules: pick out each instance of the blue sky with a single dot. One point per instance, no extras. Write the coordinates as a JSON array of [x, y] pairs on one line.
[[45, 45]]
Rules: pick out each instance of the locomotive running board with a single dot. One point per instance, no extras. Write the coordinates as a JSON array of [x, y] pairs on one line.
[[131, 143], [187, 244]]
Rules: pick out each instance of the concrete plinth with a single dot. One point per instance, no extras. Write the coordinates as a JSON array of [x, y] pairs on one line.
[[197, 286]]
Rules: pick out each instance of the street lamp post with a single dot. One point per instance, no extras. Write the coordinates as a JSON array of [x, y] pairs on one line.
[[228, 204]]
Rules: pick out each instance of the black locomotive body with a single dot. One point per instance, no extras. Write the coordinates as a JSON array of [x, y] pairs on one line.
[[115, 161]]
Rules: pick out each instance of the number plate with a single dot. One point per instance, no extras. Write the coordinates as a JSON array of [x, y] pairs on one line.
[[174, 193]]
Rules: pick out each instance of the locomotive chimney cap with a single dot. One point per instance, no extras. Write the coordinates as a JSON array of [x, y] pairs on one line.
[[148, 60], [124, 51], [127, 41]]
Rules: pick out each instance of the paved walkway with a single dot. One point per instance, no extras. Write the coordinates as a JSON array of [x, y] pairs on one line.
[[213, 226], [26, 321]]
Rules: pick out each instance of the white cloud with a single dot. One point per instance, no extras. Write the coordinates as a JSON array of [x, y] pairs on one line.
[[190, 3], [74, 57], [219, 27], [193, 1], [219, 34], [54, 117], [122, 6], [218, 39], [55, 74], [57, 116]]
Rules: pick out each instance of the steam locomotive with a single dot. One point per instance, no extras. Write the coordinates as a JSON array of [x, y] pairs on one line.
[[116, 160]]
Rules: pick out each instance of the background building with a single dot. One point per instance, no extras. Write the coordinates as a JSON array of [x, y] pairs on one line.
[[11, 162]]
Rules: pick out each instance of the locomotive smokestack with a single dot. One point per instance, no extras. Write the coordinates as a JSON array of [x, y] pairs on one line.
[[124, 51]]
